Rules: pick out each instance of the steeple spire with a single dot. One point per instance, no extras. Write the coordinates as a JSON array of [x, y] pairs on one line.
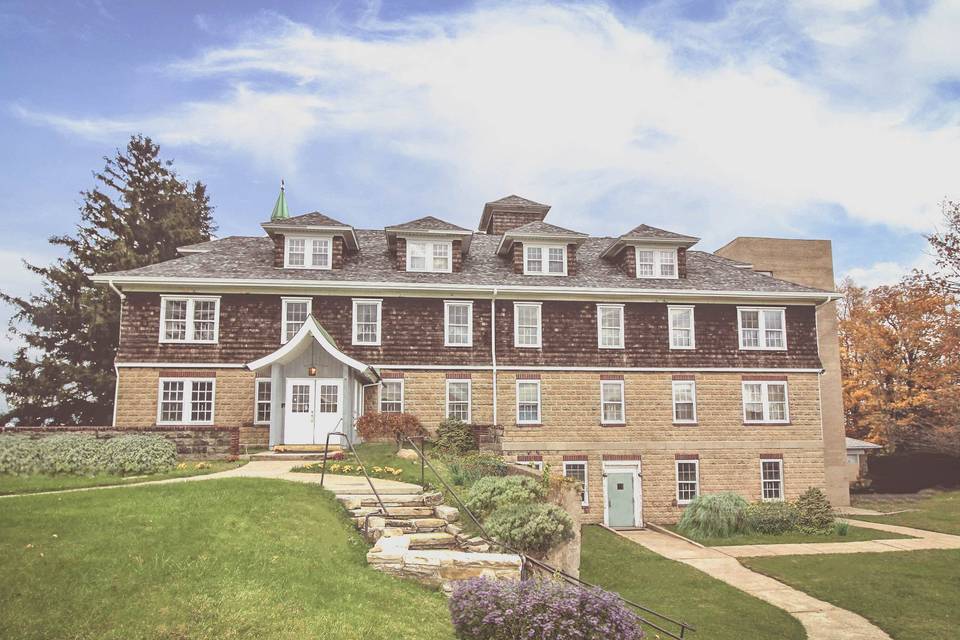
[[280, 211]]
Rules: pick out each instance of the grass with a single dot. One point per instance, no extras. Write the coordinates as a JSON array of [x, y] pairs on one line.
[[717, 610], [37, 483], [854, 534], [911, 595], [937, 512], [230, 558]]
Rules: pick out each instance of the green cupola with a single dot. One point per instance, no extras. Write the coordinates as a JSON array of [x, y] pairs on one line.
[[280, 211]]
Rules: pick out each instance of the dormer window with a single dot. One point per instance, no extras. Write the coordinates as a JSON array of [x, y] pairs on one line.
[[430, 257], [301, 252], [544, 259], [656, 263]]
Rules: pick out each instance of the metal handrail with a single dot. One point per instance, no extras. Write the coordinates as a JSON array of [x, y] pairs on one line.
[[684, 627], [363, 467]]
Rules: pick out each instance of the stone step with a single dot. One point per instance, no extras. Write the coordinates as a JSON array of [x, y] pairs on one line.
[[396, 513], [432, 541], [354, 501]]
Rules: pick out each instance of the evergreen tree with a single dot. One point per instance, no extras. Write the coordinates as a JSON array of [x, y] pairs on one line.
[[138, 213]]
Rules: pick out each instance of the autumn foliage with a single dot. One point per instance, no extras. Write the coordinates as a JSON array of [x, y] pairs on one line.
[[381, 426]]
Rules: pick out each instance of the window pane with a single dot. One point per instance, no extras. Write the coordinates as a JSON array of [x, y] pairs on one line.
[[201, 401], [204, 319], [176, 320], [687, 481], [534, 259], [645, 263], [753, 401], [367, 326], [528, 402], [528, 324], [750, 328], [458, 323], [681, 333], [321, 253], [458, 400], [577, 471], [668, 263], [171, 401], [555, 263], [300, 398], [612, 401], [418, 256], [327, 402], [391, 396], [263, 401], [296, 248], [683, 402], [295, 314]]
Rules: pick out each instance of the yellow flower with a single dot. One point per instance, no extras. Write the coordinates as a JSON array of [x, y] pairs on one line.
[[334, 468], [397, 472]]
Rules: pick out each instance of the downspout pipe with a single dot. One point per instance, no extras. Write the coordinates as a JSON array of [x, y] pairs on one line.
[[116, 369], [493, 350]]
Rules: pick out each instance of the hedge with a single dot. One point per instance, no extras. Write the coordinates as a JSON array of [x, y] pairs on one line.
[[86, 455]]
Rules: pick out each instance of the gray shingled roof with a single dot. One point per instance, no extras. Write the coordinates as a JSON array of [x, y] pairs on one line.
[[252, 258], [517, 201], [542, 229], [313, 219], [644, 231], [426, 223]]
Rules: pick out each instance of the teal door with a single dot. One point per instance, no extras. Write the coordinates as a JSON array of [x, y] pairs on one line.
[[620, 499]]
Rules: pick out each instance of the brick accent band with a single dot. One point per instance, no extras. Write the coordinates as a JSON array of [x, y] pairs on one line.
[[458, 375], [530, 458], [528, 376], [763, 378], [611, 376], [188, 373], [684, 376], [391, 374], [575, 457], [771, 456], [625, 457], [686, 456]]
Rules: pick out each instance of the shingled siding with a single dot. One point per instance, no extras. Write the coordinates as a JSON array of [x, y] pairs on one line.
[[412, 333]]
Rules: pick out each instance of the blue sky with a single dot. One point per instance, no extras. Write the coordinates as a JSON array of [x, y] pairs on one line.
[[824, 118]]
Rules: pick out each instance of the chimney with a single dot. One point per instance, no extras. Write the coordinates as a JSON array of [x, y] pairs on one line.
[[509, 213]]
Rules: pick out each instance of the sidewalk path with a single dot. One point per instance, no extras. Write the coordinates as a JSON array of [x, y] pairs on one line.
[[822, 620], [279, 469]]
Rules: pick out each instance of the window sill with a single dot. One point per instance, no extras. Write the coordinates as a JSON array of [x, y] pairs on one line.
[[768, 424], [189, 341], [613, 424], [528, 424], [678, 423], [585, 508]]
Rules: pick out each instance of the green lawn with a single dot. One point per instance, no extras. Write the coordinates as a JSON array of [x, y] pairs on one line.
[[33, 484], [938, 512], [231, 558], [911, 595], [854, 534], [717, 610]]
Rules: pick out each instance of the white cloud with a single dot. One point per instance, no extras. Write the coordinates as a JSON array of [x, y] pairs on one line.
[[575, 103], [888, 272]]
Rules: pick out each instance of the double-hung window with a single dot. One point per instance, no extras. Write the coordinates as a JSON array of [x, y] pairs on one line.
[[304, 252], [458, 400], [684, 401], [688, 480], [656, 263], [391, 395], [186, 401], [771, 479], [295, 313], [261, 412], [366, 321], [528, 401], [680, 320], [765, 402], [610, 326], [429, 256], [762, 328], [545, 260], [193, 319], [526, 324], [611, 402], [457, 324], [578, 471]]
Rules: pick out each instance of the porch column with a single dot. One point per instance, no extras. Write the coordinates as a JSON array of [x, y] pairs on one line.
[[277, 393]]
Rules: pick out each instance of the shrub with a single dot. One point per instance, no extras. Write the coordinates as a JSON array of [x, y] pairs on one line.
[[814, 512], [137, 455], [465, 470], [19, 455], [378, 426], [841, 527], [491, 493], [717, 515], [82, 455], [454, 437], [530, 528], [771, 517], [485, 609]]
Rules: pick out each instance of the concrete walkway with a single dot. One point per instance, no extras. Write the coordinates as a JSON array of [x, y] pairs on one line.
[[821, 620], [278, 469]]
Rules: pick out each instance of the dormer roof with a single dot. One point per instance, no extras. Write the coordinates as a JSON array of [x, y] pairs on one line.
[[645, 234], [542, 231], [313, 222], [511, 204], [429, 226]]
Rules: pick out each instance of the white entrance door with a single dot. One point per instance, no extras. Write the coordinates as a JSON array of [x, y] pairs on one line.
[[313, 409]]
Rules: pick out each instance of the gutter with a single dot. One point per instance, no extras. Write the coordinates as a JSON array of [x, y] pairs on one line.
[[116, 369], [493, 350]]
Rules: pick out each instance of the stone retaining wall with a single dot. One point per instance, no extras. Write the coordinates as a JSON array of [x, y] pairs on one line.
[[191, 442]]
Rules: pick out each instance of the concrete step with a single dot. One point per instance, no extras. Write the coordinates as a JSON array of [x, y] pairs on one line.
[[396, 513], [417, 525], [432, 541], [354, 501]]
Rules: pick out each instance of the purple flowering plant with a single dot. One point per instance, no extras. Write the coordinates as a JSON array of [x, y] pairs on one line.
[[485, 609]]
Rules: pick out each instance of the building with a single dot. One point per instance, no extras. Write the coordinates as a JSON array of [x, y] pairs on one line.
[[648, 370]]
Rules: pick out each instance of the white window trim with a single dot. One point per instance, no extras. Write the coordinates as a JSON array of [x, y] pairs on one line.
[[516, 325], [534, 464], [763, 336], [307, 252], [446, 323], [764, 398], [676, 472], [656, 262], [446, 404], [380, 393], [187, 399], [189, 320], [539, 419], [623, 402], [545, 258], [673, 401], [693, 333], [379, 303], [600, 308], [283, 314], [256, 399], [428, 255], [586, 478], [779, 462]]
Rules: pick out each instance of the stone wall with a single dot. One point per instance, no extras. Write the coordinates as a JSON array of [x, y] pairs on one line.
[[191, 442]]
